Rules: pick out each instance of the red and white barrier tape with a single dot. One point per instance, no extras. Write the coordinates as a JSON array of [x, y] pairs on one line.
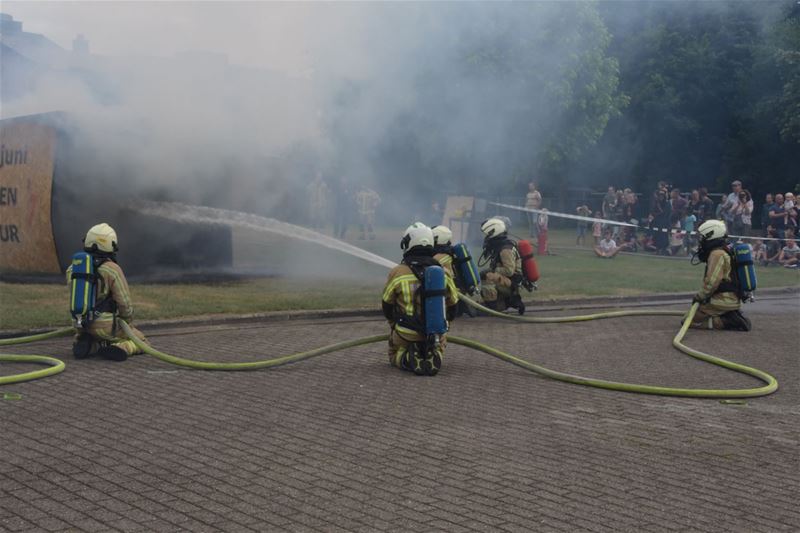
[[617, 223]]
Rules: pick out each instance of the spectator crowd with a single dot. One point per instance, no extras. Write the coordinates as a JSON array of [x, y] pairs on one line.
[[670, 217]]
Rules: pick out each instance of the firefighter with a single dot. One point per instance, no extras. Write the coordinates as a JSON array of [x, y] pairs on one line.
[[403, 306], [443, 248], [445, 255], [719, 296], [501, 280], [101, 333], [367, 201], [318, 195]]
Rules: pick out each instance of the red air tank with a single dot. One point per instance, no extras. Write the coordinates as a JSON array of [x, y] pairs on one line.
[[529, 267]]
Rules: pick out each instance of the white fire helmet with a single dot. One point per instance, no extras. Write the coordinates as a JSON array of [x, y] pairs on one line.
[[417, 234]]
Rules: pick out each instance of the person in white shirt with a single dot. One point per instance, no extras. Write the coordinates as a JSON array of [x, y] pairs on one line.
[[607, 247], [789, 201], [731, 203], [790, 254], [533, 200]]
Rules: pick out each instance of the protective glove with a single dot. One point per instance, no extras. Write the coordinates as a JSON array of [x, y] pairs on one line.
[[388, 311], [700, 299]]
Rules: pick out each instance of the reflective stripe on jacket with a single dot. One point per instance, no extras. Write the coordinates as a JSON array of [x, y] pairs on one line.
[[446, 260], [401, 292], [718, 269]]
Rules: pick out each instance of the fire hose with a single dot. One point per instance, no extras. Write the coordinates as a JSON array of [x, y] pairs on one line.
[[770, 383]]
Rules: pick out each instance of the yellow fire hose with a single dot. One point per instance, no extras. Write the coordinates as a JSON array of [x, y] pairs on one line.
[[55, 365], [771, 384]]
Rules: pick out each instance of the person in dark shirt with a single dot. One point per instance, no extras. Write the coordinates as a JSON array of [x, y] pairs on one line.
[[777, 216], [679, 205], [708, 206], [659, 219], [769, 201]]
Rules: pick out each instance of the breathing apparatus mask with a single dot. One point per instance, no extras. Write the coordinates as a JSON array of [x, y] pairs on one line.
[[704, 248], [713, 234]]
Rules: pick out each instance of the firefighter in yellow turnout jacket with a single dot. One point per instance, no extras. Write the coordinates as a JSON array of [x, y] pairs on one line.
[[367, 201], [443, 248], [500, 282], [719, 296], [403, 306], [113, 299]]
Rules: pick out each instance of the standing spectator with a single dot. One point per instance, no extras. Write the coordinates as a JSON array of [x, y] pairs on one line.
[[609, 204], [792, 222], [730, 203], [343, 204], [743, 214], [597, 229], [619, 213], [708, 207], [661, 186], [695, 206], [676, 238], [790, 254], [659, 220], [318, 194], [630, 206], [541, 238], [628, 215], [773, 246], [583, 211], [777, 216], [769, 201], [678, 207], [689, 223], [533, 200]]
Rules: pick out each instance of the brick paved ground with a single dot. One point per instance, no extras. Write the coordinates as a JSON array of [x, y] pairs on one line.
[[345, 443]]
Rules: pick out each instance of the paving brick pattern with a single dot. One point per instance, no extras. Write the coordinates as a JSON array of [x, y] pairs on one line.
[[345, 443]]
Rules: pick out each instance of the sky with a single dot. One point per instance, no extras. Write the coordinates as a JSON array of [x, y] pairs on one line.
[[276, 35]]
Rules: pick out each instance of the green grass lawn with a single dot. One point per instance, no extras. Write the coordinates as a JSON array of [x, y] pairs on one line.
[[572, 273]]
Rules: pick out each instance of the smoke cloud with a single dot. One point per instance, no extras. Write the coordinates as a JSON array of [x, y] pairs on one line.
[[238, 105]]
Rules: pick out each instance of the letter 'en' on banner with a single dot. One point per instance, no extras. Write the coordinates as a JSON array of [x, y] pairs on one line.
[[27, 153]]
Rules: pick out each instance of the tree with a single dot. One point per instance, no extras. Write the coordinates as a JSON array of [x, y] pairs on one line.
[[714, 96], [510, 91]]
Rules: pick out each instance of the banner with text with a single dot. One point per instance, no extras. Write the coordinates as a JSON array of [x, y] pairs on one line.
[[27, 151]]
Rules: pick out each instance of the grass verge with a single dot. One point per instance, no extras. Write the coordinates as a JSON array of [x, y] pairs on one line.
[[573, 273]]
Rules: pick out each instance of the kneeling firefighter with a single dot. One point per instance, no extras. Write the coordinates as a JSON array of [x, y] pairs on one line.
[[721, 294], [457, 263], [501, 281], [418, 300], [443, 248], [98, 295]]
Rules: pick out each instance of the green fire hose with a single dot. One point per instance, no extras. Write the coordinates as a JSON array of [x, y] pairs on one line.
[[771, 384], [55, 365]]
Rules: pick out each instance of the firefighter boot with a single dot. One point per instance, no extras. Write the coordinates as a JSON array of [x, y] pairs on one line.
[[82, 347], [516, 302], [735, 320], [112, 353]]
